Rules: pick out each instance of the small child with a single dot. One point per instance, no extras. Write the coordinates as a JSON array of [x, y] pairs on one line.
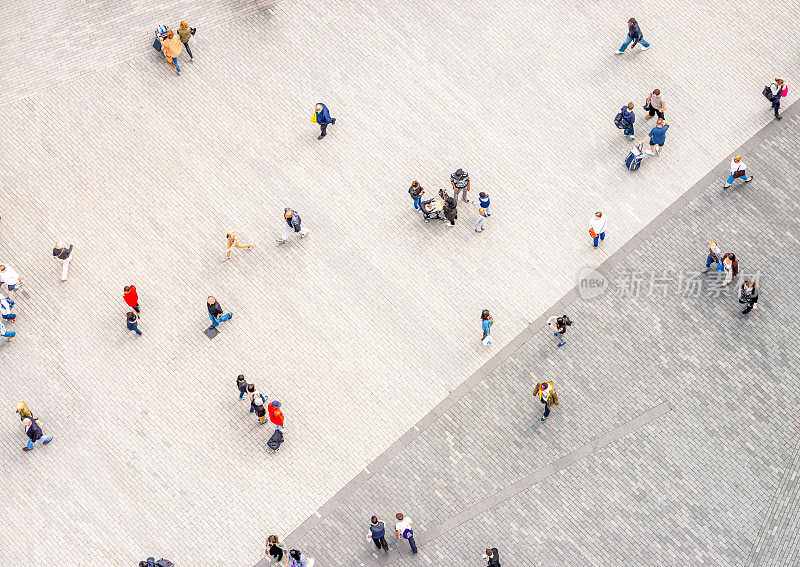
[[241, 384], [480, 223], [486, 323], [261, 413], [483, 202], [253, 393]]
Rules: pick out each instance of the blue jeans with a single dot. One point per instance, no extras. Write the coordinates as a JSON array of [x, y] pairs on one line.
[[217, 320], [177, 67], [134, 327], [709, 261], [730, 179], [628, 41], [9, 334], [628, 131], [416, 202], [598, 238], [43, 439], [413, 544]]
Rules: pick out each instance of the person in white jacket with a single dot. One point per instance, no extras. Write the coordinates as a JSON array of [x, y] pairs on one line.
[[738, 169], [598, 230]]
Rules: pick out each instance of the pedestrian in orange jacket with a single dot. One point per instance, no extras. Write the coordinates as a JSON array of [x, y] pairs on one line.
[[275, 414]]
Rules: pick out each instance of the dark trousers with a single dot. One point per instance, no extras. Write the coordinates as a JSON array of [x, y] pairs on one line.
[[413, 544], [776, 104], [546, 410], [380, 542], [748, 308], [654, 111], [189, 51], [324, 127]]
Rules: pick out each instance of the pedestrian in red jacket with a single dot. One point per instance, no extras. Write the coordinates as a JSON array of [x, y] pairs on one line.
[[131, 297], [275, 414]]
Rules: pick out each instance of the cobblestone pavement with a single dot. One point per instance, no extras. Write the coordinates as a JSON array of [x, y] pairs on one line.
[[710, 481], [368, 324]]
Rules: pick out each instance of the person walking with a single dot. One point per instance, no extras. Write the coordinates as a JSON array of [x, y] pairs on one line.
[[292, 225], [275, 414], [416, 191], [260, 410], [628, 118], [597, 231], [738, 169], [296, 559], [450, 211], [460, 182], [635, 36], [34, 433], [322, 116], [6, 308], [484, 202], [253, 393], [130, 297], [241, 385], [714, 257], [377, 532], [658, 136], [748, 295], [132, 320], [547, 395], [11, 278], [486, 325], [215, 312], [24, 411], [559, 326], [231, 242], [493, 556], [778, 90], [185, 33], [405, 529], [171, 45], [655, 105], [63, 254], [6, 334], [730, 266], [480, 222], [276, 549]]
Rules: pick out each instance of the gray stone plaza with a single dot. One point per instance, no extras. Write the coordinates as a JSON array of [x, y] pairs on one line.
[[676, 440]]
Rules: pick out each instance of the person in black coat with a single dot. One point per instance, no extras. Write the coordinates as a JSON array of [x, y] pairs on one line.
[[215, 312], [34, 433], [450, 212], [635, 36], [748, 295], [493, 556]]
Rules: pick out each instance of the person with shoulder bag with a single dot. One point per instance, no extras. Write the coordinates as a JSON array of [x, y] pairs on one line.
[[546, 393], [738, 169], [778, 90], [559, 326], [748, 295], [186, 33]]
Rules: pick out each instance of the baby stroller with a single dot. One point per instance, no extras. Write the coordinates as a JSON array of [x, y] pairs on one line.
[[432, 209]]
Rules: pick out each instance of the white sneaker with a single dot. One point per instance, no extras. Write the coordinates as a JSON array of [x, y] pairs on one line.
[[618, 52], [645, 48], [630, 136]]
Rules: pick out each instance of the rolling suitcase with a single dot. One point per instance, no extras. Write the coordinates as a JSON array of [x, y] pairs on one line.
[[634, 159], [274, 442]]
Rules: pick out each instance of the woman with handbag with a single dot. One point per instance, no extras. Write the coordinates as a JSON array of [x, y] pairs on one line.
[[597, 232], [186, 33], [738, 169]]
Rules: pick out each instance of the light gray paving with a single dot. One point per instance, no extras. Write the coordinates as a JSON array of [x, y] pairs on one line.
[[374, 318], [712, 482]]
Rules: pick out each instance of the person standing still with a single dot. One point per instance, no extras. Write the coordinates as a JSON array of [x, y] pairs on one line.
[[628, 118], [635, 36], [215, 312], [738, 169], [292, 225], [132, 321], [322, 116], [231, 242], [658, 137], [405, 529], [493, 556], [486, 325], [778, 89], [655, 105], [714, 257], [748, 295], [416, 191], [130, 297], [460, 182], [63, 254], [241, 385], [377, 532], [185, 33], [597, 232], [34, 433]]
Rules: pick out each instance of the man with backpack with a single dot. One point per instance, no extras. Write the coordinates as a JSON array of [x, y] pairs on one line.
[[625, 119], [559, 326]]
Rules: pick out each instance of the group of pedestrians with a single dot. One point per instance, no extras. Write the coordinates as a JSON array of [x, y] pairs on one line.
[[277, 551], [447, 206], [13, 281], [404, 528], [171, 44], [727, 266], [259, 407]]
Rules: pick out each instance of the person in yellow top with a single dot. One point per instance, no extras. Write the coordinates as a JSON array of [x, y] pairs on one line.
[[171, 45], [232, 241], [547, 395]]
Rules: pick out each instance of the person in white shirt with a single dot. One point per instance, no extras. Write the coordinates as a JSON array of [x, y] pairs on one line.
[[778, 90], [11, 278], [405, 530], [738, 169], [63, 254], [598, 230]]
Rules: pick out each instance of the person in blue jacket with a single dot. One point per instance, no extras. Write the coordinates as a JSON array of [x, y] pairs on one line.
[[658, 136], [323, 119], [635, 36], [628, 118]]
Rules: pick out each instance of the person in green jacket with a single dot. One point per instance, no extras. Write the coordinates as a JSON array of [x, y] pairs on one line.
[[185, 33]]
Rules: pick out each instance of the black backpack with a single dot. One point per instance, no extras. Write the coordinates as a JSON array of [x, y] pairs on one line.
[[619, 120], [164, 563], [274, 442], [566, 320], [767, 92]]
